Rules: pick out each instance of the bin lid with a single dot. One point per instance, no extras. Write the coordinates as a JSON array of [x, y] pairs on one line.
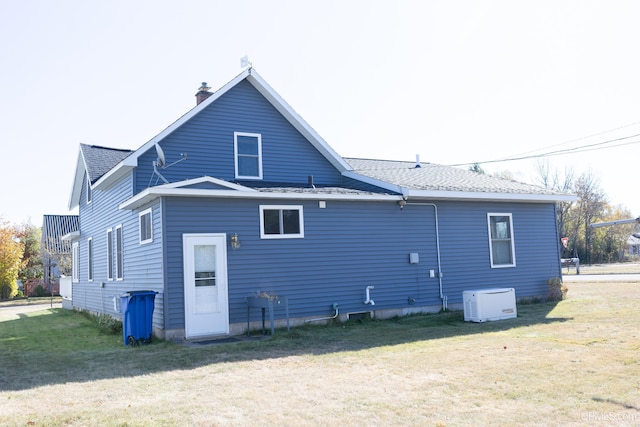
[[134, 293]]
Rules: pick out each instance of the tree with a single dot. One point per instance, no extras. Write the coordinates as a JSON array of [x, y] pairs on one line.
[[477, 168], [590, 207], [11, 253], [30, 236], [552, 180]]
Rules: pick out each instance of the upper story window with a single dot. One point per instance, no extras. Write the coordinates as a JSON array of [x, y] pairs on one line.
[[248, 155], [146, 226], [281, 222], [501, 245], [89, 191]]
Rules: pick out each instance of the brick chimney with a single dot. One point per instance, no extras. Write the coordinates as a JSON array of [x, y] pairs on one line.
[[203, 93]]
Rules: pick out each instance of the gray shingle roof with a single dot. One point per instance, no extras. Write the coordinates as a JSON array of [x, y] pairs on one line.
[[100, 160], [433, 177]]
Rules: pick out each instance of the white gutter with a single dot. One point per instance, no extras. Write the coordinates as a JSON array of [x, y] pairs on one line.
[[153, 193]]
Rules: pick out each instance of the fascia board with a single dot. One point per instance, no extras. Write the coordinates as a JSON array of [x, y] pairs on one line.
[[76, 188], [499, 197], [74, 235], [298, 122], [115, 174], [153, 193]]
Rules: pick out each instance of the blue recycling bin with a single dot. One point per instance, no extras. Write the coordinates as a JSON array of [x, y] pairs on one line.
[[137, 316]]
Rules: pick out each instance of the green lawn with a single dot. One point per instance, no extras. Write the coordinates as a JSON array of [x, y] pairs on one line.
[[572, 363]]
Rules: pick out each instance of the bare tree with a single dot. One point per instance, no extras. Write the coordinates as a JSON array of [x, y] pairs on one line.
[[552, 179], [589, 208]]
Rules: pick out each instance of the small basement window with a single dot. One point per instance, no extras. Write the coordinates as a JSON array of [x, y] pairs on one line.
[[281, 222]]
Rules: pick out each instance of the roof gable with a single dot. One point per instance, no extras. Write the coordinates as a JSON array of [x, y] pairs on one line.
[[94, 161], [251, 76]]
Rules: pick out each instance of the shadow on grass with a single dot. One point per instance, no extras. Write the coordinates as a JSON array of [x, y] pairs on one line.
[[58, 346]]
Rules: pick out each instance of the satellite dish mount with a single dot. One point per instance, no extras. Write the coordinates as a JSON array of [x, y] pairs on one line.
[[161, 163]]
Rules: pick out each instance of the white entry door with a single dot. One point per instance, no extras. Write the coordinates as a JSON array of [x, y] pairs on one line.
[[206, 308]]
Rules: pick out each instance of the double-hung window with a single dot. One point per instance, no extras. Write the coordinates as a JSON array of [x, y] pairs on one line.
[[501, 245], [248, 155], [90, 259], [281, 222], [75, 267], [109, 254], [119, 254], [146, 226]]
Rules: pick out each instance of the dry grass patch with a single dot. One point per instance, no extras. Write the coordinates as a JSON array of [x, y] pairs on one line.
[[574, 363]]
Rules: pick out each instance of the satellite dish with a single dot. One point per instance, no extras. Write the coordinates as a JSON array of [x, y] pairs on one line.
[[161, 162], [161, 158]]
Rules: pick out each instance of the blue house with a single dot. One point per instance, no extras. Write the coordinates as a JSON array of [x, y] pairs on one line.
[[240, 197]]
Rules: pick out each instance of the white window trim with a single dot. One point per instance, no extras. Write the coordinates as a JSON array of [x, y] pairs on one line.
[[300, 210], [119, 274], [513, 247], [90, 254], [110, 254], [75, 257], [235, 154], [140, 215]]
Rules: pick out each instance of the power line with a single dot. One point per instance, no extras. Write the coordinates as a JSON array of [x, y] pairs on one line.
[[573, 150], [576, 139]]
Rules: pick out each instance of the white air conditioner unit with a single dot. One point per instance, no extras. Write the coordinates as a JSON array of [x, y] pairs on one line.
[[489, 304]]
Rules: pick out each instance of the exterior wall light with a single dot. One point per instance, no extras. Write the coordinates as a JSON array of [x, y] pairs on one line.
[[402, 203], [235, 241]]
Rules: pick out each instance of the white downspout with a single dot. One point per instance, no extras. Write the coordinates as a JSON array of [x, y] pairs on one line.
[[435, 210]]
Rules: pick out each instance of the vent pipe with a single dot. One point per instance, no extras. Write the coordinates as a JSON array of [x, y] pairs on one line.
[[418, 165]]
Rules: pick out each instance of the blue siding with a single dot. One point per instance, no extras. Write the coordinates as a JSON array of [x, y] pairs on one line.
[[208, 141], [465, 248], [351, 245], [142, 263]]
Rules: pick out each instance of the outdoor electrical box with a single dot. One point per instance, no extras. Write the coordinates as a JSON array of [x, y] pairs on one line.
[[414, 258], [489, 304]]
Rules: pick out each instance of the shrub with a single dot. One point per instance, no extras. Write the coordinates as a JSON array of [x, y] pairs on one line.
[[39, 291], [107, 324], [557, 289]]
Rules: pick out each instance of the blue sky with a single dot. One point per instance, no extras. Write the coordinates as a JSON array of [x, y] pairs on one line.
[[453, 81]]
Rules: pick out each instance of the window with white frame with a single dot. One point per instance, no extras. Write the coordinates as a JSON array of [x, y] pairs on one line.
[[119, 254], [248, 155], [89, 190], [146, 226], [281, 222], [90, 259], [501, 244], [110, 254], [75, 255]]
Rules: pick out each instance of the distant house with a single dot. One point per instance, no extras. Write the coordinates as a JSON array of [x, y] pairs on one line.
[[241, 198], [56, 250], [633, 243]]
